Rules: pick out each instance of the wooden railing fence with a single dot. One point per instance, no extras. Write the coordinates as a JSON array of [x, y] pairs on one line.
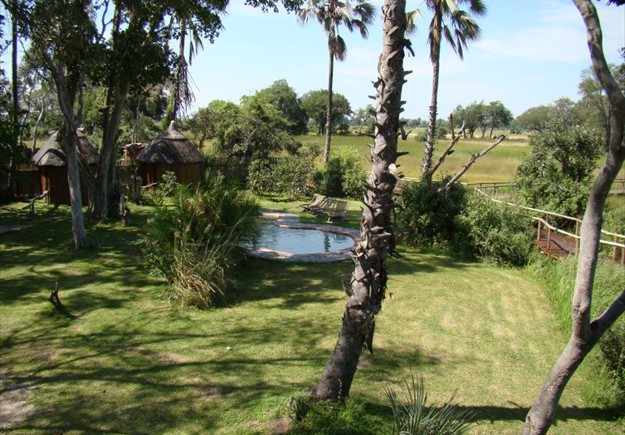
[[541, 217]]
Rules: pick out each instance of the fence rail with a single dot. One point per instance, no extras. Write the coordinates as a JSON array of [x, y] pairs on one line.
[[541, 217]]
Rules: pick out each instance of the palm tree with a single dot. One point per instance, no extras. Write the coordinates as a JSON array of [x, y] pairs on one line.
[[182, 94], [331, 14], [368, 282], [458, 27]]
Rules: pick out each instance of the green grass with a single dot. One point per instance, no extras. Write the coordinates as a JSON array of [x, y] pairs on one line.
[[498, 165], [130, 363]]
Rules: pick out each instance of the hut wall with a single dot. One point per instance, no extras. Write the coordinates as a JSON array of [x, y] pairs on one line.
[[186, 173], [54, 180], [28, 184]]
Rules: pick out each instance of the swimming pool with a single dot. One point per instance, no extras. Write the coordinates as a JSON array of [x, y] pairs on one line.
[[285, 238]]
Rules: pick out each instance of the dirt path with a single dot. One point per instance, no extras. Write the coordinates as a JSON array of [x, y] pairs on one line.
[[5, 228]]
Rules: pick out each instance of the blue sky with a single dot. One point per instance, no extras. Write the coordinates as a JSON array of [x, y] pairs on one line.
[[531, 52]]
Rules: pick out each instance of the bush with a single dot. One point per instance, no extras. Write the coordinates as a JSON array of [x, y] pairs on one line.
[[291, 175], [343, 175], [559, 279], [330, 417], [495, 232], [428, 218], [556, 175], [193, 240]]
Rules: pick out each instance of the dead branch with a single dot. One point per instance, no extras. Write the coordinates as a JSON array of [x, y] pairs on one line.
[[454, 140], [470, 162], [55, 300]]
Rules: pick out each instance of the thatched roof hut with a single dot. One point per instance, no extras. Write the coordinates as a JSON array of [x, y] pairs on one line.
[[52, 164], [173, 152]]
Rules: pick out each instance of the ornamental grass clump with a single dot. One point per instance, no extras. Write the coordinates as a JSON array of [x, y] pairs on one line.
[[413, 417], [193, 240]]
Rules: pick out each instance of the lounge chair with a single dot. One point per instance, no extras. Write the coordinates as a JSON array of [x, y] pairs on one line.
[[337, 210], [322, 206], [314, 203]]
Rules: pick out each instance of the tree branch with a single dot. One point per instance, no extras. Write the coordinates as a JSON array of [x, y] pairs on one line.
[[609, 316], [454, 140], [472, 160]]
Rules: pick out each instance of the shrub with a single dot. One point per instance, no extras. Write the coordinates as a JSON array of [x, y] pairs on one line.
[[559, 279], [555, 176], [291, 175], [193, 240], [413, 417], [330, 417], [495, 232], [259, 177], [343, 175], [428, 217]]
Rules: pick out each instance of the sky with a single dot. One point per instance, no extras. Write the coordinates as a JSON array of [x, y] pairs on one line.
[[531, 52]]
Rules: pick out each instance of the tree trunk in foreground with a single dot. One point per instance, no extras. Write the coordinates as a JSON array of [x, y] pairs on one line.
[[66, 93], [368, 282], [586, 333]]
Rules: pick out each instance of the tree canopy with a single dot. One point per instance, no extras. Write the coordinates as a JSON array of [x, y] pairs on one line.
[[314, 103]]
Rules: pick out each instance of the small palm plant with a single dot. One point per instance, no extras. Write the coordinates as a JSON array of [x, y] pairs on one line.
[[193, 240], [413, 417]]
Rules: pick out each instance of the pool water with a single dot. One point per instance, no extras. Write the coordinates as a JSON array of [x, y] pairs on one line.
[[299, 240]]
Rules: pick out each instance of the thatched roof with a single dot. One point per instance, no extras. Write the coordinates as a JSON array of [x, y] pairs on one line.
[[171, 147], [51, 153]]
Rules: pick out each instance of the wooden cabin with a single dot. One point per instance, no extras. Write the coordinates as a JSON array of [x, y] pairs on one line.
[[52, 164], [172, 152]]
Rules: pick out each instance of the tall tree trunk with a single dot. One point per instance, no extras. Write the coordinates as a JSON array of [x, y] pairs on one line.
[[68, 141], [368, 283], [326, 151], [176, 97], [39, 118], [14, 67], [118, 89], [586, 333], [104, 205], [435, 56]]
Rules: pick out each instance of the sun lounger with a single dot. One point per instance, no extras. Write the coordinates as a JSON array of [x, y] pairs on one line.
[[320, 207], [337, 210], [314, 203]]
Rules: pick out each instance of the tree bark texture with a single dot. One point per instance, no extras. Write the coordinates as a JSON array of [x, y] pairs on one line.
[[66, 95], [435, 56], [326, 150], [73, 177], [586, 333], [118, 89], [368, 281]]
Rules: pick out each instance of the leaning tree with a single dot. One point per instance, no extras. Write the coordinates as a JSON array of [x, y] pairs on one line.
[[586, 332], [368, 281]]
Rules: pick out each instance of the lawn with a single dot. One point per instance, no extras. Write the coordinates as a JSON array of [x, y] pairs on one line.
[[128, 362]]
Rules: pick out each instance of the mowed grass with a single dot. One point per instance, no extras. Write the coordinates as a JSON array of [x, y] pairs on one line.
[[130, 363]]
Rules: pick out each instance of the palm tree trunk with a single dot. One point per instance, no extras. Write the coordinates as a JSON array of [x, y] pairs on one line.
[[326, 151], [368, 283], [435, 55]]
